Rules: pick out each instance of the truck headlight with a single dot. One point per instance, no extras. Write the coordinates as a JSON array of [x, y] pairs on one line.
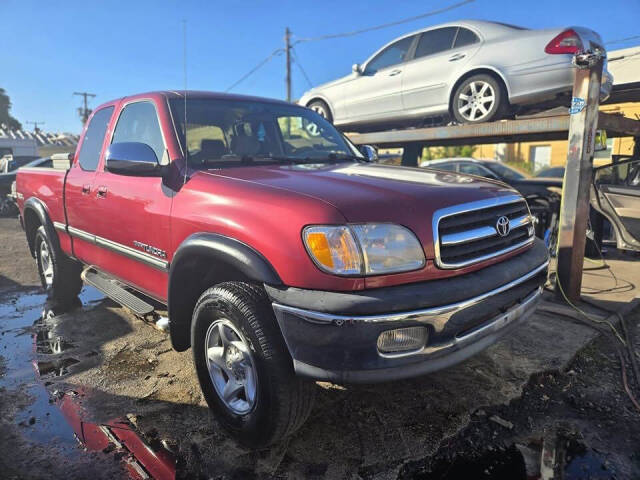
[[363, 249]]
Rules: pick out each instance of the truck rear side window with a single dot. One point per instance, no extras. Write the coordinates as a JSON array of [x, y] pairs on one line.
[[89, 156]]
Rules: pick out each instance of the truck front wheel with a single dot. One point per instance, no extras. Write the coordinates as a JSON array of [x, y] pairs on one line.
[[243, 365], [59, 275]]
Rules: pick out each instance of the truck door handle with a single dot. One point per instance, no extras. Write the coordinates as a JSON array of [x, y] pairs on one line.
[[395, 72], [457, 56], [86, 189], [102, 192]]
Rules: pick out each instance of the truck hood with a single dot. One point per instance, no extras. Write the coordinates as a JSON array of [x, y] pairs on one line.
[[375, 193]]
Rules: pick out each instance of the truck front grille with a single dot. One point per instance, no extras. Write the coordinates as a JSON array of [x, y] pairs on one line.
[[473, 232]]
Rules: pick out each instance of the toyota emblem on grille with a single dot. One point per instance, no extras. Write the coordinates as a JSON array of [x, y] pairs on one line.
[[503, 226]]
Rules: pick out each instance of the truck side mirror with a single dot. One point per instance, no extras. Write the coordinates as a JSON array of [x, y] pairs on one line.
[[355, 68], [370, 152], [135, 159]]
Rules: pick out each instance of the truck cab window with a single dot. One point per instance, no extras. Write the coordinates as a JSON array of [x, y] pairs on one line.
[[89, 155], [138, 122]]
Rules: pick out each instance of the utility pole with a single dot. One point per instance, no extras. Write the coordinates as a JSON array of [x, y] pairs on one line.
[[574, 210], [84, 111], [35, 126], [287, 49]]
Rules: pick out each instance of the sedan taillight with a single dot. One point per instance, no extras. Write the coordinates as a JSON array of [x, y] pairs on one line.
[[566, 42]]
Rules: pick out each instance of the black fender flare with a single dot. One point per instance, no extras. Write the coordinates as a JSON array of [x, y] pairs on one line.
[[227, 257], [37, 206]]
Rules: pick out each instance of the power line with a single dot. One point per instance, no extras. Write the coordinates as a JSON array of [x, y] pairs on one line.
[[621, 40], [297, 62], [289, 45], [277, 51], [385, 25]]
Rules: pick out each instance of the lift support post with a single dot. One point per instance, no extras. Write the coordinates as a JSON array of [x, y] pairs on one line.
[[574, 209]]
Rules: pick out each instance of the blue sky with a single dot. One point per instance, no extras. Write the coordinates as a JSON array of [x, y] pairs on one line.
[[51, 49]]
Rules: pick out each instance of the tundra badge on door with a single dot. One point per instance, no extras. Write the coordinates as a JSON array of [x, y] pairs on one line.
[[150, 249]]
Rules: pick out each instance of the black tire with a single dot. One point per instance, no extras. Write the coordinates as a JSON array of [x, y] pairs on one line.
[[322, 109], [62, 281], [283, 401], [497, 110]]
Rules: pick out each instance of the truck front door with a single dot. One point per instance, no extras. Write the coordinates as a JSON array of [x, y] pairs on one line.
[[132, 214]]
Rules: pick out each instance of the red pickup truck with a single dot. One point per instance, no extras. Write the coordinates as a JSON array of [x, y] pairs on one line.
[[281, 252]]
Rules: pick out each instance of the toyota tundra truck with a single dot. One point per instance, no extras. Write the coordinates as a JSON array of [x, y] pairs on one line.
[[280, 252]]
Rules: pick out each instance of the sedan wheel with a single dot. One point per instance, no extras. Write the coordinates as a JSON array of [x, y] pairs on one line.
[[479, 98], [231, 366], [476, 101], [321, 109]]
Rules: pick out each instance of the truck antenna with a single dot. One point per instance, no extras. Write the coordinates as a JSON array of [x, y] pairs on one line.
[[184, 68]]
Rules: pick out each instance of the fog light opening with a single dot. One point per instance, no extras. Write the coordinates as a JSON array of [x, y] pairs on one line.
[[403, 339]]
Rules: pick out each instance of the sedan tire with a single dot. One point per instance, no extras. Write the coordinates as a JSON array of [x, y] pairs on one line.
[[244, 367], [322, 109], [479, 98]]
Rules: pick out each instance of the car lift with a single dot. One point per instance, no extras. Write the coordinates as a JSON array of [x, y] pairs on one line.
[[579, 126]]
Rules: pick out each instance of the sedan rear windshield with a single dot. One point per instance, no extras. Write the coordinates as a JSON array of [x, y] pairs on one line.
[[226, 133]]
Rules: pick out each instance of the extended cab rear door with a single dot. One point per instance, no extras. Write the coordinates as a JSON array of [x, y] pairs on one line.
[[79, 187], [132, 213], [617, 192]]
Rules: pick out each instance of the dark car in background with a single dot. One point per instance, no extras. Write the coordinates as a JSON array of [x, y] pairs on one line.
[[551, 172], [542, 194]]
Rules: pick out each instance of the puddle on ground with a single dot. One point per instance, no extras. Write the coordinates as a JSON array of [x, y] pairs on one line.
[[32, 355], [570, 460], [497, 464], [55, 368]]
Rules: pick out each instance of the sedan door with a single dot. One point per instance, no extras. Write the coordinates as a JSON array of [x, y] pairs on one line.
[[617, 196], [377, 91], [439, 54]]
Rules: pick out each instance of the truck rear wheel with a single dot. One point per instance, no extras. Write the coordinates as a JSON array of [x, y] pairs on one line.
[[59, 275], [244, 368]]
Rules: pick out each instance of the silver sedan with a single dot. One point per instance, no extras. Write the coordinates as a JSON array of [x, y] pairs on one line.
[[473, 71]]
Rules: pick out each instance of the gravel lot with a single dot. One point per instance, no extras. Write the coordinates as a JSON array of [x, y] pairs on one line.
[[553, 382]]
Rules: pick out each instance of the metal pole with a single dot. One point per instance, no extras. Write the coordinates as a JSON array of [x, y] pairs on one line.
[[574, 210], [410, 154], [287, 48]]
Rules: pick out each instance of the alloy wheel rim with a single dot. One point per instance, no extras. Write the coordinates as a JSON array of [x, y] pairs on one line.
[[476, 101], [231, 366], [46, 264]]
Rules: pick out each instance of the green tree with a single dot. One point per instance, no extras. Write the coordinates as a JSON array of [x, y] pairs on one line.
[[5, 116], [433, 153]]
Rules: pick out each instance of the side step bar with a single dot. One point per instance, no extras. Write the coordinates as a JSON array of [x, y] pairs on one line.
[[117, 293]]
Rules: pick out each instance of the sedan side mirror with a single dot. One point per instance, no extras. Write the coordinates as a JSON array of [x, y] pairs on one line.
[[355, 68], [132, 158], [370, 152]]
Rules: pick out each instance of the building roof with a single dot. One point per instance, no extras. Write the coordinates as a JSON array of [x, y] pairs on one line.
[[41, 138]]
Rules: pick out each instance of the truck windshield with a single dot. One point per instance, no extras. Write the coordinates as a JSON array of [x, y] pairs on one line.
[[229, 133]]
